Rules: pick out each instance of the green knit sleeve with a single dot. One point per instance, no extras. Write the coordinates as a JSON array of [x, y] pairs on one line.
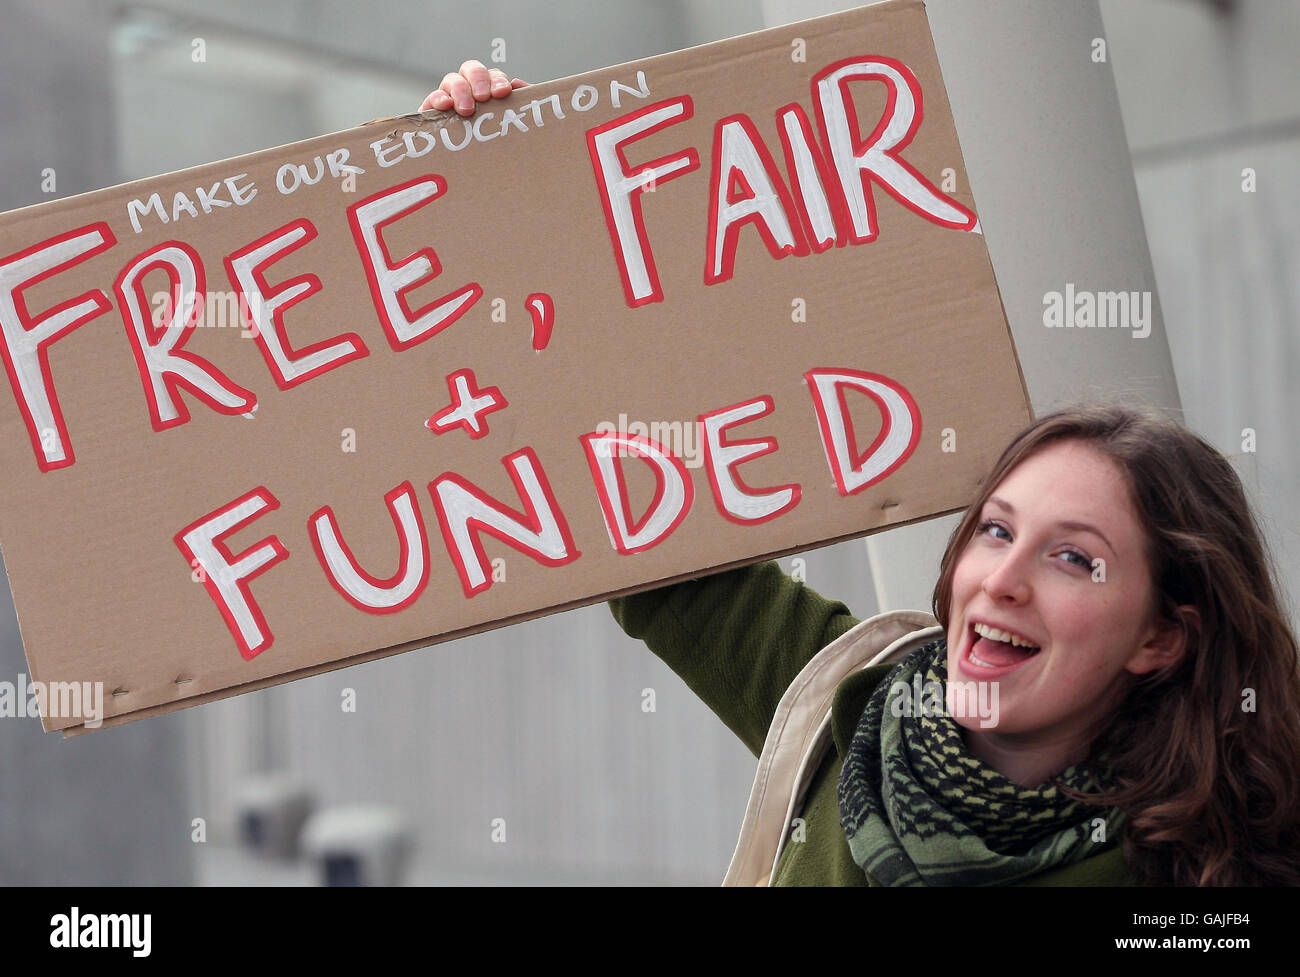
[[737, 638]]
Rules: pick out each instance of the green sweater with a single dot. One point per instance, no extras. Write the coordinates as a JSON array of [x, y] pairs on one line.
[[738, 639]]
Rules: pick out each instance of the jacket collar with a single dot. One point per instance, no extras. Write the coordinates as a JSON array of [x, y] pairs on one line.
[[851, 699]]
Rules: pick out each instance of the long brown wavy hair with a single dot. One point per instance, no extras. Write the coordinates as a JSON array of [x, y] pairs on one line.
[[1205, 752]]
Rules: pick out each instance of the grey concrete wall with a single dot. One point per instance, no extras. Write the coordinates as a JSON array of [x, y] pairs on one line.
[[1210, 92]]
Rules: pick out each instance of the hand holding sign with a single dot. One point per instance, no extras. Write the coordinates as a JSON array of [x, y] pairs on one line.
[[473, 83]]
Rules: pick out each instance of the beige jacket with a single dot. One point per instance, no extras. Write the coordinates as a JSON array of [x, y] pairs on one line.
[[800, 735]]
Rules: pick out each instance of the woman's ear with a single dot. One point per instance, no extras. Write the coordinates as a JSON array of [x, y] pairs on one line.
[[1166, 642]]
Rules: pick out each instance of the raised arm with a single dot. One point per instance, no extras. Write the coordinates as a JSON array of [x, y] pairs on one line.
[[737, 638]]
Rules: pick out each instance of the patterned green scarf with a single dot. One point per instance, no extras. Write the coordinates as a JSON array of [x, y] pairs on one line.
[[919, 809]]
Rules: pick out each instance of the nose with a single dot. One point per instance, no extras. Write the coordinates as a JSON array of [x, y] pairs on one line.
[[1008, 579]]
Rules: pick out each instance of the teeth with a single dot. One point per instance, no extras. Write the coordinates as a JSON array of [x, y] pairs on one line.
[[999, 635]]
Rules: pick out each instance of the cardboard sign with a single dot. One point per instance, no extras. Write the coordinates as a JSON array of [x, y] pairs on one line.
[[344, 398]]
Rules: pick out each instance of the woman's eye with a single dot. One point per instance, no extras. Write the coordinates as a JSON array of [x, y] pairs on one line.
[[1079, 559], [991, 528]]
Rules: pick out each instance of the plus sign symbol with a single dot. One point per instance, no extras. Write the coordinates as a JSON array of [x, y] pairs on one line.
[[469, 406]]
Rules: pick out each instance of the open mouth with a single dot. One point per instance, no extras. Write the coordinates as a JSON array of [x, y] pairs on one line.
[[985, 653]]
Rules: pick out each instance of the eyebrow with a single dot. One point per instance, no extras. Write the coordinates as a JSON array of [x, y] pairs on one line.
[[1064, 523]]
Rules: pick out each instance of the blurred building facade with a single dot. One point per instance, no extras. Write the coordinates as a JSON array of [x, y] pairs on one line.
[[541, 724]]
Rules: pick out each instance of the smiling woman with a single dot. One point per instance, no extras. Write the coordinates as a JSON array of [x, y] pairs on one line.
[[1123, 545], [1088, 621], [1110, 584]]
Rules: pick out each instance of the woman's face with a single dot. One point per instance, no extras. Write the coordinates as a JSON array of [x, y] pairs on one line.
[[1058, 561]]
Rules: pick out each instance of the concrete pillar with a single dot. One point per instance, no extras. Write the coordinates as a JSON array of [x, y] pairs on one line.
[[1044, 146]]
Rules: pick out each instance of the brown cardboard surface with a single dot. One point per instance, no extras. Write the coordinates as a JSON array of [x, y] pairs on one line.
[[105, 591]]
